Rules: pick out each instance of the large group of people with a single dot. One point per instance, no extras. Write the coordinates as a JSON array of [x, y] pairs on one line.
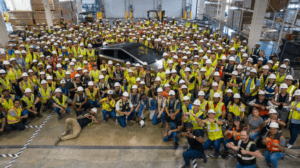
[[206, 84]]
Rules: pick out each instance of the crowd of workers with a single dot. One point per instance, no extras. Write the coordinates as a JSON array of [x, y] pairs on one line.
[[206, 84]]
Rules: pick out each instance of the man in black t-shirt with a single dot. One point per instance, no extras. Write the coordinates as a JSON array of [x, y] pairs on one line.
[[173, 127], [77, 125], [196, 145], [247, 151]]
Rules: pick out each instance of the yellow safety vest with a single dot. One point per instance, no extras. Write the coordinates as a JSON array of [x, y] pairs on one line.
[[294, 113], [5, 84], [214, 131], [27, 101], [234, 89], [121, 106], [63, 103], [193, 120], [275, 67], [235, 109], [90, 95], [252, 85], [106, 106], [90, 54], [176, 86], [11, 119], [60, 75], [95, 75], [217, 109], [25, 85], [53, 87], [279, 79], [192, 85], [263, 82], [7, 105], [45, 94], [291, 89]]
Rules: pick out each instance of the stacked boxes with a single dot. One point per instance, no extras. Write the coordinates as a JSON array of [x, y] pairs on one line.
[[241, 17], [37, 5], [21, 18], [69, 11], [39, 15]]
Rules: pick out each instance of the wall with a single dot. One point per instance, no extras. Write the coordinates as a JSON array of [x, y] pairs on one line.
[[172, 8], [114, 8]]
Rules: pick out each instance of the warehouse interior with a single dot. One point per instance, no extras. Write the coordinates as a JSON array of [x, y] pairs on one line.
[[274, 24]]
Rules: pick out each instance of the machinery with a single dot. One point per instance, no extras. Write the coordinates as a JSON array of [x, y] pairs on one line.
[[85, 17], [158, 14]]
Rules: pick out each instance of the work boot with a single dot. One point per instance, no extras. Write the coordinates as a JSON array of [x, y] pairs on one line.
[[57, 141], [39, 115], [28, 122], [204, 158], [225, 154], [186, 166], [65, 133], [176, 145], [216, 155]]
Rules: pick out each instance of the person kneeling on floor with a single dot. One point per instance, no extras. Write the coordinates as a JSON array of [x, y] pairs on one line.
[[60, 104], [147, 103], [195, 140], [108, 106], [125, 110], [173, 127], [77, 124]]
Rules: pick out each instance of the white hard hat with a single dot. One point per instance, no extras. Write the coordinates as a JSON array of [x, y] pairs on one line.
[[5, 63], [202, 70], [283, 86], [245, 55], [117, 84], [283, 66], [101, 77], [80, 89], [231, 59], [216, 74], [214, 84], [170, 62], [142, 83], [24, 74], [289, 77], [125, 94], [77, 76], [211, 111], [217, 95], [110, 92], [48, 67], [274, 125], [232, 49], [229, 91], [62, 82], [167, 85], [134, 87], [234, 73], [28, 90], [186, 98], [184, 87], [261, 92], [94, 110], [138, 79], [196, 103], [272, 76], [266, 67], [208, 61], [239, 66], [160, 90], [157, 79], [58, 90], [272, 111], [172, 92], [237, 96], [44, 82], [201, 93], [91, 83], [68, 73], [253, 70], [297, 92], [167, 72], [110, 62], [58, 66], [173, 71], [187, 69]]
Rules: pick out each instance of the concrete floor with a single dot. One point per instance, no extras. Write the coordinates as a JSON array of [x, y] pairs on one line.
[[106, 145]]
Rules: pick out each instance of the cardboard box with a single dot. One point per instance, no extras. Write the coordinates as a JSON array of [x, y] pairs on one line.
[[66, 7], [38, 5], [41, 21], [21, 22], [42, 15], [20, 15]]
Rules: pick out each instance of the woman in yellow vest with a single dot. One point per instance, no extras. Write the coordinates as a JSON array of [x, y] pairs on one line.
[[4, 81], [92, 93], [95, 73], [236, 106], [195, 115], [108, 106], [15, 118], [281, 75], [45, 94], [214, 132]]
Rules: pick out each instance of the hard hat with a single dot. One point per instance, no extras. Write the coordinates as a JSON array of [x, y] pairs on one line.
[[202, 70], [245, 55], [173, 71], [58, 90], [142, 123], [250, 59], [5, 63], [184, 87], [234, 73], [110, 92], [187, 69], [297, 92], [170, 62], [208, 61], [181, 81], [211, 111], [157, 79], [272, 111], [175, 57], [216, 74], [283, 66], [237, 96], [91, 83], [94, 110], [165, 54], [231, 59], [274, 125], [44, 82], [286, 60], [196, 103], [232, 49], [253, 70], [28, 90], [42, 73], [128, 63], [138, 79], [229, 91], [270, 62], [201, 93], [186, 98], [160, 90], [62, 82], [134, 87], [125, 94], [167, 85], [172, 93], [214, 84], [48, 67], [80, 89], [101, 77], [142, 83], [77, 76], [24, 74], [216, 94], [167, 72], [239, 66], [289, 77], [283, 86], [137, 65], [272, 76], [261, 92], [58, 66], [266, 67], [68, 73], [117, 84], [110, 62]]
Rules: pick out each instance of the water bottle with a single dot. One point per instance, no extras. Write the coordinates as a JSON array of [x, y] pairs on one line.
[[117, 121]]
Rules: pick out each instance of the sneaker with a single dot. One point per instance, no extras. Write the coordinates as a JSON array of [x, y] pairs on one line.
[[104, 121], [186, 166], [216, 155], [57, 141], [176, 145], [204, 158], [65, 133], [289, 146], [28, 122]]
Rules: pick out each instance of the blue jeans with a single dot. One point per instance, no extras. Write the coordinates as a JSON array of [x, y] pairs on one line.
[[162, 118], [226, 142], [200, 131], [57, 110], [173, 134], [93, 103], [191, 153], [178, 115], [122, 119], [241, 166], [112, 114], [294, 131], [217, 144], [273, 157], [245, 99], [254, 135]]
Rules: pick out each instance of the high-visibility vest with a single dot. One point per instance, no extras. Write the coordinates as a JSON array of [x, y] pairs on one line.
[[11, 119], [245, 157], [192, 85], [237, 134], [212, 92], [217, 109], [291, 89], [90, 54], [5, 84], [234, 89], [193, 120], [275, 66], [252, 85], [263, 82], [27, 101], [214, 131], [8, 104], [235, 109], [280, 79], [24, 85], [53, 86], [45, 94], [123, 107], [95, 75], [106, 106], [182, 96], [176, 79], [294, 113], [90, 95], [60, 75], [272, 148], [63, 103]]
